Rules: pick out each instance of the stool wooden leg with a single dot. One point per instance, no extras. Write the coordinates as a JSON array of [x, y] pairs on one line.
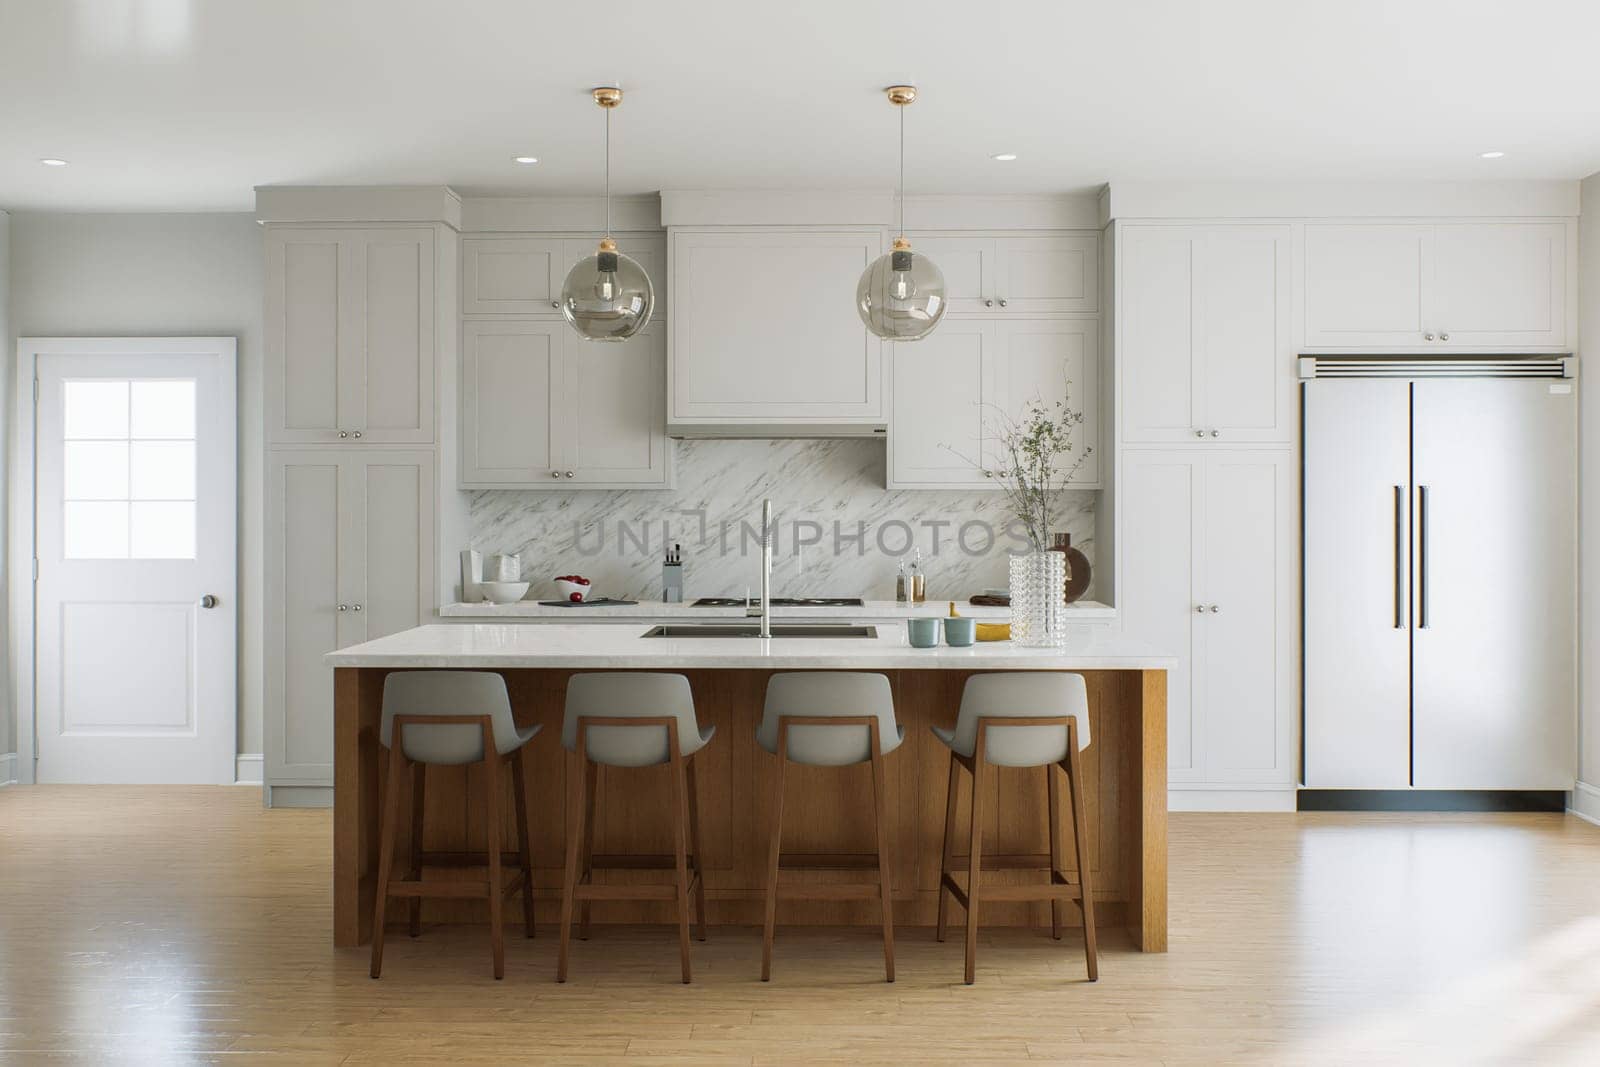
[[1080, 844], [491, 831], [694, 845], [951, 795], [386, 834], [519, 789], [591, 788], [419, 785], [1053, 801], [974, 867], [880, 816], [774, 851], [569, 878], [680, 844]]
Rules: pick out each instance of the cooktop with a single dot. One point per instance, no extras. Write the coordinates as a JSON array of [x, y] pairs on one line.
[[781, 602]]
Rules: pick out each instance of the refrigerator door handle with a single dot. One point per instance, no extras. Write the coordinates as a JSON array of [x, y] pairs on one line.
[[1422, 557], [1399, 557]]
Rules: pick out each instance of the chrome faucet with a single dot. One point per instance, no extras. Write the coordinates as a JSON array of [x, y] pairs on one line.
[[766, 573]]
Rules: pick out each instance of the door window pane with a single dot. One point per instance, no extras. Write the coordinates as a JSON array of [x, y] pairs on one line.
[[95, 529], [163, 470], [96, 410], [96, 470], [163, 530], [163, 410]]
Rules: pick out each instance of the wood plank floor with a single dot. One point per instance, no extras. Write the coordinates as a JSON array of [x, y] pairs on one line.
[[189, 925]]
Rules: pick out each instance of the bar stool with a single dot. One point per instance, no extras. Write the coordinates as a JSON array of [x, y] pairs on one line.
[[829, 719], [631, 719], [1020, 719], [452, 717]]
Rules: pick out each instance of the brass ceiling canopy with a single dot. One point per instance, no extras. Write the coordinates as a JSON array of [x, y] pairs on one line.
[[901, 95], [611, 96]]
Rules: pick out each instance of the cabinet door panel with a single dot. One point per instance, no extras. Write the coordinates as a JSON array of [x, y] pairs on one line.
[[1157, 564], [395, 544], [308, 493], [1054, 361], [936, 424], [616, 407], [1365, 285], [394, 370], [1499, 284], [512, 275], [511, 409], [764, 328], [968, 266], [302, 330], [1048, 274], [1157, 337], [1248, 377], [1247, 678]]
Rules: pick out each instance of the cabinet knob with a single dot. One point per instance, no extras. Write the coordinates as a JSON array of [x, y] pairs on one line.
[[208, 601], [356, 434], [1002, 303], [1427, 337], [988, 303], [1199, 609], [1444, 337], [555, 474], [1213, 609], [569, 474], [344, 607], [555, 303], [357, 607], [343, 434], [1216, 433]]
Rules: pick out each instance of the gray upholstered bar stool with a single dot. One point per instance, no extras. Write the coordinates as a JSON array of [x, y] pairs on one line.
[[1020, 719], [452, 717], [829, 719], [631, 719]]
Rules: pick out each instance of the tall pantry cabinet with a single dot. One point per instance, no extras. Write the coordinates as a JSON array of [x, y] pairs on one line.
[[1207, 497], [359, 328]]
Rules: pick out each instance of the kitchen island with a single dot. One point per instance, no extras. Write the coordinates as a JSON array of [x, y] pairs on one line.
[[1126, 771]]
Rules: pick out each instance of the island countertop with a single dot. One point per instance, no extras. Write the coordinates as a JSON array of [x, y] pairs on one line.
[[595, 645]]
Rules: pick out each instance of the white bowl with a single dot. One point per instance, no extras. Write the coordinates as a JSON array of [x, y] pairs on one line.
[[503, 592], [568, 588]]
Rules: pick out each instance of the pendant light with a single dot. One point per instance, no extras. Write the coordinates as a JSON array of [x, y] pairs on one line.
[[607, 296], [901, 295]]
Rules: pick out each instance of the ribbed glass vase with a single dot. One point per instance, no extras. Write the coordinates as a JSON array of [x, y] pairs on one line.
[[1038, 606]]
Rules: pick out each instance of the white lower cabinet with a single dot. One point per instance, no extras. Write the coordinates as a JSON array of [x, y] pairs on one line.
[[542, 408], [350, 557], [949, 390], [1207, 560]]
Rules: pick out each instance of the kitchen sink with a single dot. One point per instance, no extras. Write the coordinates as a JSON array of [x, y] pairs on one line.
[[752, 629]]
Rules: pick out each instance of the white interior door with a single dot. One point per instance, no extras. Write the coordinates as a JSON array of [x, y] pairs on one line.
[[135, 524]]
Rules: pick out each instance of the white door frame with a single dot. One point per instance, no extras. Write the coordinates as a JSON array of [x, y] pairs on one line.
[[22, 567]]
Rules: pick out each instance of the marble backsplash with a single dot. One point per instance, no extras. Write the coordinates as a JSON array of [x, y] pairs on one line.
[[839, 532]]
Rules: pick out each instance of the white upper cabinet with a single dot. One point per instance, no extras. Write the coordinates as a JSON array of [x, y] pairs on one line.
[[951, 389], [1204, 344], [541, 408], [764, 329], [523, 276], [1021, 274], [1459, 285], [351, 335]]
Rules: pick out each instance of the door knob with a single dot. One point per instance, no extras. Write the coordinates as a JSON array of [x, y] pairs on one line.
[[208, 601]]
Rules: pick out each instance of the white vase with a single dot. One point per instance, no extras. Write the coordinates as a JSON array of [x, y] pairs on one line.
[[1038, 602]]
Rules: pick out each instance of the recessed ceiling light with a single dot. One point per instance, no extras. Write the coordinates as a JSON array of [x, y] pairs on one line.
[[525, 159], [1004, 157], [1491, 155], [53, 162]]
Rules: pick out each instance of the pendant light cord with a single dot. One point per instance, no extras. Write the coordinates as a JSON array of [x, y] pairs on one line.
[[608, 171], [902, 170]]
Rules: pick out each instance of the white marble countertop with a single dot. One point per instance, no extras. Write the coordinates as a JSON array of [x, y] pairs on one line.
[[1082, 611], [624, 646]]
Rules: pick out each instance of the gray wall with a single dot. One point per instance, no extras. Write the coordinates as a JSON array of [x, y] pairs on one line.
[[8, 723], [154, 275]]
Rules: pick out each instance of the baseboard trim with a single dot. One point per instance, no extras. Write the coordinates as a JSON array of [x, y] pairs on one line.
[[8, 768], [1584, 802], [248, 768], [1276, 798], [299, 796], [1421, 800]]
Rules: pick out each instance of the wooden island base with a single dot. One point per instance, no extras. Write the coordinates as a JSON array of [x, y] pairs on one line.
[[826, 810]]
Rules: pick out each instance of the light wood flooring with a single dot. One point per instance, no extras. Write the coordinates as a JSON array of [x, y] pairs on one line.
[[190, 925]]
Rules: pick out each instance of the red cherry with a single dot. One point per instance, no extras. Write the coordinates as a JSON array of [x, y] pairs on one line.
[[576, 598]]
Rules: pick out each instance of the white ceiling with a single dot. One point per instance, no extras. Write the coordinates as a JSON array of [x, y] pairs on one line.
[[188, 104]]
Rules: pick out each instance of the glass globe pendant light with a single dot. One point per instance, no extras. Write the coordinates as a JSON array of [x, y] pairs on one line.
[[607, 296], [901, 295]]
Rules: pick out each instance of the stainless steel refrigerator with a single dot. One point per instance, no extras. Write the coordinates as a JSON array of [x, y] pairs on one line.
[[1440, 571]]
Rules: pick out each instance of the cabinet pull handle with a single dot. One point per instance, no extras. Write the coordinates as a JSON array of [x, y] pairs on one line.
[[1422, 557], [1399, 557]]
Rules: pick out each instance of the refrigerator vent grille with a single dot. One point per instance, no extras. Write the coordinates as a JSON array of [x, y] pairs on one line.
[[1436, 367]]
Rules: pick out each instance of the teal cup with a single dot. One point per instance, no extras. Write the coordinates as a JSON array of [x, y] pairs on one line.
[[959, 633], [922, 633]]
